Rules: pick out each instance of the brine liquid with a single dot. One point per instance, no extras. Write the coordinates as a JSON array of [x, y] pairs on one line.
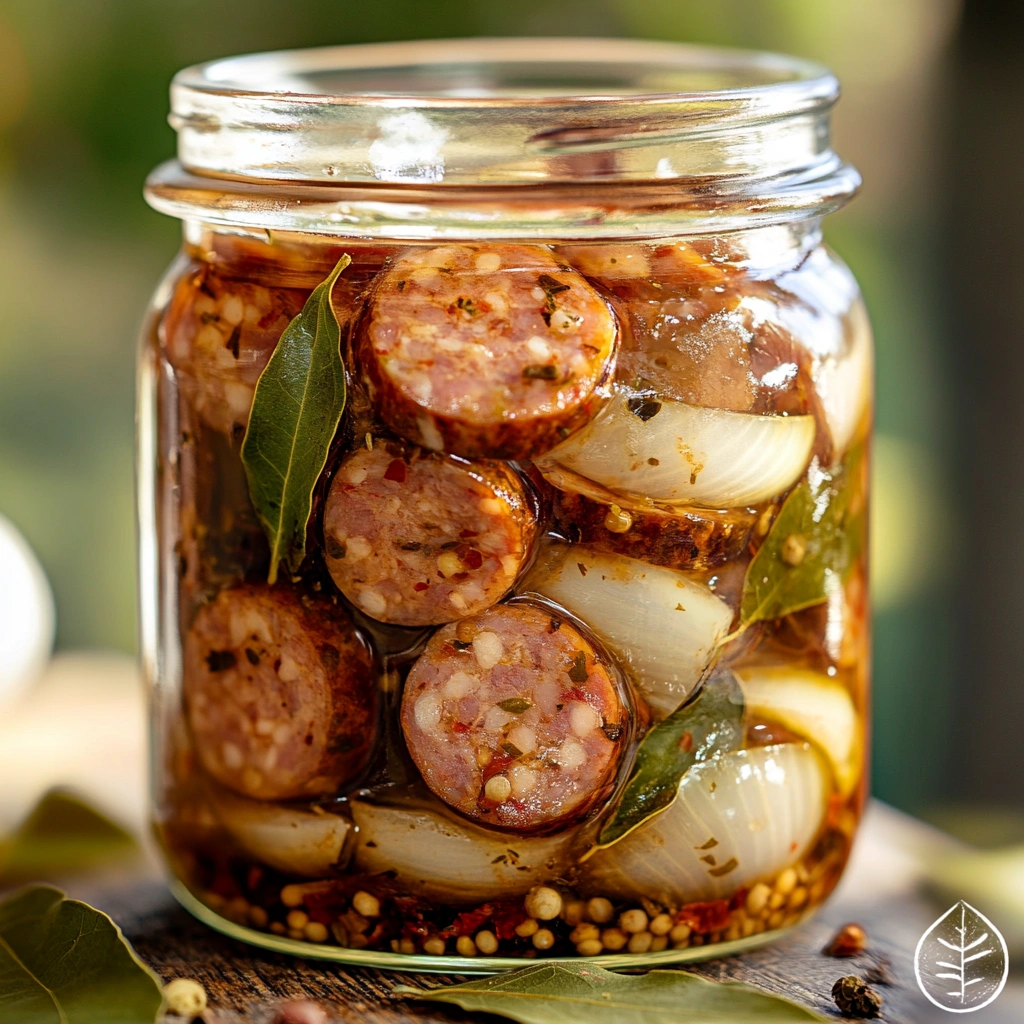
[[579, 495]]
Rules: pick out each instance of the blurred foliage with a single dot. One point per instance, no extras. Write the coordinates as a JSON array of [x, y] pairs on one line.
[[83, 104]]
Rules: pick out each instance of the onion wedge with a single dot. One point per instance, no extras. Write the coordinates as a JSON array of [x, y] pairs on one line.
[[297, 841], [662, 625], [667, 451], [815, 708], [440, 858], [737, 818]]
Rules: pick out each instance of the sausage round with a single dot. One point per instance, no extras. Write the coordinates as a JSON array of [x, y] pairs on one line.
[[515, 719], [219, 334], [419, 539], [279, 693], [738, 357], [486, 351], [680, 538]]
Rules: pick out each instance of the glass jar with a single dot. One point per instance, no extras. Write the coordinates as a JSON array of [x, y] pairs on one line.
[[503, 464]]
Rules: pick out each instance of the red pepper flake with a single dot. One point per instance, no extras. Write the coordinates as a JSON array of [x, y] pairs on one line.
[[466, 534], [711, 916], [507, 918], [497, 764], [686, 742], [396, 471], [460, 728], [739, 899], [472, 559], [420, 587], [469, 922]]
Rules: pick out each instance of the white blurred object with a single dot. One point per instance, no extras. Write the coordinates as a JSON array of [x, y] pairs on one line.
[[27, 615], [83, 725]]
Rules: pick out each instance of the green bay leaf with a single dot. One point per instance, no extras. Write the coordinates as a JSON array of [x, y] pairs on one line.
[[63, 962], [821, 514], [710, 724], [299, 399], [62, 836], [582, 993]]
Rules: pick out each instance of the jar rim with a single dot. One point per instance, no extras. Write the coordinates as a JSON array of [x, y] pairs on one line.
[[635, 70], [724, 127]]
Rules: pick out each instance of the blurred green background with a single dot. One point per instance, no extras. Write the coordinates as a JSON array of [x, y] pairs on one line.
[[83, 103]]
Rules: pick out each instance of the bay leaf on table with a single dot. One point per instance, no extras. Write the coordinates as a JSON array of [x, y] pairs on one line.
[[295, 413], [710, 724], [823, 513], [570, 992], [63, 962], [62, 836]]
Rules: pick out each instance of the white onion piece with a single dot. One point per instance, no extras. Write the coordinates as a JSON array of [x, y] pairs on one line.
[[662, 625], [685, 454], [763, 807], [440, 858], [296, 841], [813, 706], [844, 383]]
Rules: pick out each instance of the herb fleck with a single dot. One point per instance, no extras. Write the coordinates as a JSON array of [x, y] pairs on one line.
[[221, 661], [644, 408], [540, 371], [723, 869], [578, 672], [232, 343], [515, 705], [551, 285]]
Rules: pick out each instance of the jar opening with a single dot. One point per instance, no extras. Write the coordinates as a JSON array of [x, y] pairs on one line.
[[504, 69], [722, 126]]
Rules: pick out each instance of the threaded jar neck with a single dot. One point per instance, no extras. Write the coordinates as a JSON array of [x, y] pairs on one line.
[[363, 131]]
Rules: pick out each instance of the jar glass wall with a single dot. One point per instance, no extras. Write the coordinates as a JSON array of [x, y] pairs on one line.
[[571, 656]]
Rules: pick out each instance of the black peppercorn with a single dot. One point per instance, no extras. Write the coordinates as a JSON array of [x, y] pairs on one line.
[[855, 999]]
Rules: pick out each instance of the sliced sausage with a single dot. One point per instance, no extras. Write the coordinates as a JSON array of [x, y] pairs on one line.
[[486, 351], [515, 719], [279, 693], [653, 271], [681, 538], [219, 334], [419, 539]]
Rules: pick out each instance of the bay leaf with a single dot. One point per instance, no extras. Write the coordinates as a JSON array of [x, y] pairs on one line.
[[299, 399], [62, 836], [823, 515], [580, 993], [63, 962], [709, 724]]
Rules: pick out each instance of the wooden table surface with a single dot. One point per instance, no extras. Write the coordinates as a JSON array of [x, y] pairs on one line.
[[880, 892]]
